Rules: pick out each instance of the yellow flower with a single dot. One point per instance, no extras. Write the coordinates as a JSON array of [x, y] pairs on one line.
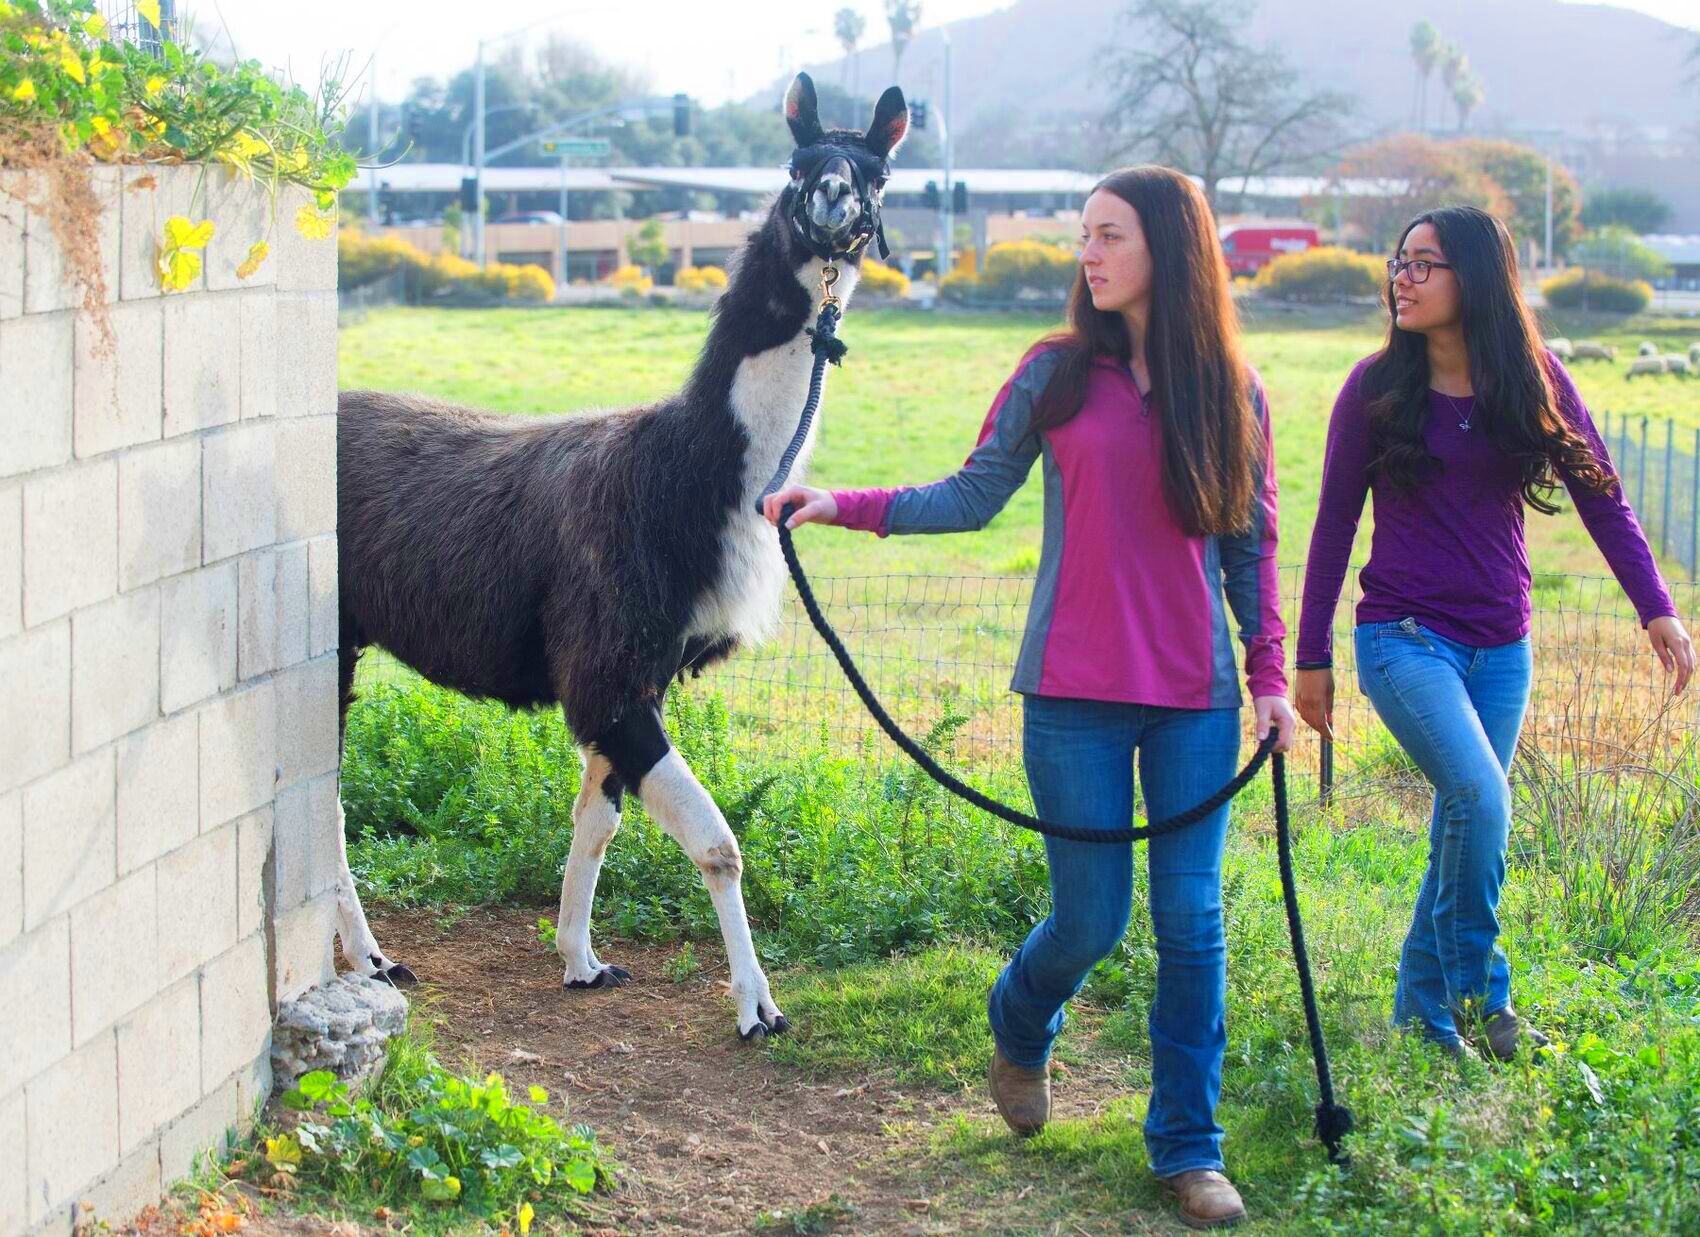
[[154, 85], [25, 93]]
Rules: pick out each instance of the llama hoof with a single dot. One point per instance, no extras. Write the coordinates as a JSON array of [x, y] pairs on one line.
[[607, 977], [395, 974]]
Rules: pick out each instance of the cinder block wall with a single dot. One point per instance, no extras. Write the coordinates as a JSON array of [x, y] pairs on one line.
[[168, 728]]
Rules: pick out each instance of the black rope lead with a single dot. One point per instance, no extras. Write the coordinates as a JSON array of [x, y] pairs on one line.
[[1333, 1120]]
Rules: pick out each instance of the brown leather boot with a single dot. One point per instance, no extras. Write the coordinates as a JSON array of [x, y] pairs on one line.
[[1021, 1092], [1207, 1198]]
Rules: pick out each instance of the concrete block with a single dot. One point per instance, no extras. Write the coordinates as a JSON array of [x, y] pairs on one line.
[[258, 315], [152, 194], [306, 721], [253, 848], [238, 754], [36, 667], [35, 1003], [116, 389], [11, 867], [114, 954], [306, 354], [303, 265], [70, 539], [210, 1126], [203, 367], [197, 899], [125, 1191], [159, 1063], [307, 856], [322, 633], [294, 608], [114, 668], [237, 505], [73, 1125], [256, 621], [159, 511], [69, 837], [50, 282], [305, 938], [36, 358], [197, 648], [236, 1020], [241, 211], [14, 1155], [306, 477], [159, 790], [11, 263], [11, 560], [253, 1089]]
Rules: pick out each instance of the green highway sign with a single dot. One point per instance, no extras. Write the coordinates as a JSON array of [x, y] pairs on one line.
[[577, 147]]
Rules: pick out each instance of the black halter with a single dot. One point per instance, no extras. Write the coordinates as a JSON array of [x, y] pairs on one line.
[[807, 163]]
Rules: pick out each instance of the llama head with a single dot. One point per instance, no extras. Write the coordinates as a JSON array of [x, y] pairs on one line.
[[837, 175]]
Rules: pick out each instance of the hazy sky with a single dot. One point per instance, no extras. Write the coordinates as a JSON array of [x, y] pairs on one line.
[[710, 49]]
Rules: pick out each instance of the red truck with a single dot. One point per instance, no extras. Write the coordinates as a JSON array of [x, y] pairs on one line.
[[1251, 246]]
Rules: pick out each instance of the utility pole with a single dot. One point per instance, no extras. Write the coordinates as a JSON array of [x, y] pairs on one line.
[[372, 144], [947, 222], [1546, 253], [478, 158]]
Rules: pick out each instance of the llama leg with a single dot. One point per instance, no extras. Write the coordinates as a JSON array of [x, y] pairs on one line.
[[596, 817], [359, 946], [688, 814]]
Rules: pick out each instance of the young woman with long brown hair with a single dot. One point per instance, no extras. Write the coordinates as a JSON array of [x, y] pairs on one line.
[[1159, 497], [1458, 423]]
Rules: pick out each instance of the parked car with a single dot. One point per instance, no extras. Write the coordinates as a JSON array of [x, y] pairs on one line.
[[1249, 247], [529, 216]]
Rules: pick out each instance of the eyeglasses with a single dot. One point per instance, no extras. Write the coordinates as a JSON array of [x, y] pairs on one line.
[[1418, 268]]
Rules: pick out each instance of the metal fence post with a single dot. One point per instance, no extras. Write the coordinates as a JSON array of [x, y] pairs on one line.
[[1641, 473], [1325, 769], [1694, 513], [1664, 519]]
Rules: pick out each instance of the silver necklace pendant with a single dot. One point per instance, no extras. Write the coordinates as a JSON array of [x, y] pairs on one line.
[[1463, 424]]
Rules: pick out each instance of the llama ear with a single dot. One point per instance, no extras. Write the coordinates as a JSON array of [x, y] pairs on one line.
[[801, 111], [891, 124]]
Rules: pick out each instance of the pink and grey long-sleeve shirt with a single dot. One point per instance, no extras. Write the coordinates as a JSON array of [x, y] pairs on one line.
[[1127, 606], [1451, 552]]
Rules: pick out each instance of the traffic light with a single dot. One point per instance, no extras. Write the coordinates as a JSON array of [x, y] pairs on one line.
[[930, 195], [918, 114], [681, 115], [412, 123], [469, 194], [959, 198]]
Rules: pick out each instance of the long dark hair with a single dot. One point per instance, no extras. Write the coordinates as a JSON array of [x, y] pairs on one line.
[[1211, 441], [1508, 371]]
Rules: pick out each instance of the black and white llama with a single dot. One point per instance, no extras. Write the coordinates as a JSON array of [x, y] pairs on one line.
[[589, 559]]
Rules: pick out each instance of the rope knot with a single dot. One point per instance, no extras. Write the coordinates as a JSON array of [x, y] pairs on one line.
[[824, 343]]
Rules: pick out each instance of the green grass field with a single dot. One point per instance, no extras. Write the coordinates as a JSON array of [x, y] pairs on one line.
[[908, 404], [883, 910]]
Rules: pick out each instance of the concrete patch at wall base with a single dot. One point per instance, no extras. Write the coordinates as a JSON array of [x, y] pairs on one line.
[[167, 626]]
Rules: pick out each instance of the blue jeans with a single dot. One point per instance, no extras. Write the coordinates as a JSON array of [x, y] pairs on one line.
[[1456, 711], [1079, 756]]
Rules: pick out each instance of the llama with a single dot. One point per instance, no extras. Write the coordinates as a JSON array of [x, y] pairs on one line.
[[588, 560]]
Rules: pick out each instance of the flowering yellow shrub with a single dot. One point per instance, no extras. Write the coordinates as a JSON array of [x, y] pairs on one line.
[[529, 283], [629, 278], [700, 279], [1325, 273], [878, 279]]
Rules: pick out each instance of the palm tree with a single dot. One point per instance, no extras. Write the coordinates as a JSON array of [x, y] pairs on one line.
[[904, 16], [1467, 95], [1425, 50], [1453, 65], [848, 25]]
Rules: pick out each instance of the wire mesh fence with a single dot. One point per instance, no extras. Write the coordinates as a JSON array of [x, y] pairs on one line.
[[1659, 464], [933, 647]]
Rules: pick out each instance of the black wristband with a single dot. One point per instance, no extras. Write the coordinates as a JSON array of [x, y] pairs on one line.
[[1314, 665]]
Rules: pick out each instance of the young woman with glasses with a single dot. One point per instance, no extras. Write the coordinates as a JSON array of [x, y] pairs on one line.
[[1159, 497], [1458, 423]]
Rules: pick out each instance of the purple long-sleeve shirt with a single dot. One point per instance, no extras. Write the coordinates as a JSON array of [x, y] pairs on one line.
[[1127, 606], [1451, 553]]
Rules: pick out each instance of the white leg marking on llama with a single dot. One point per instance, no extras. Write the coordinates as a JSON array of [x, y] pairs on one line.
[[359, 946], [595, 820], [687, 813]]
